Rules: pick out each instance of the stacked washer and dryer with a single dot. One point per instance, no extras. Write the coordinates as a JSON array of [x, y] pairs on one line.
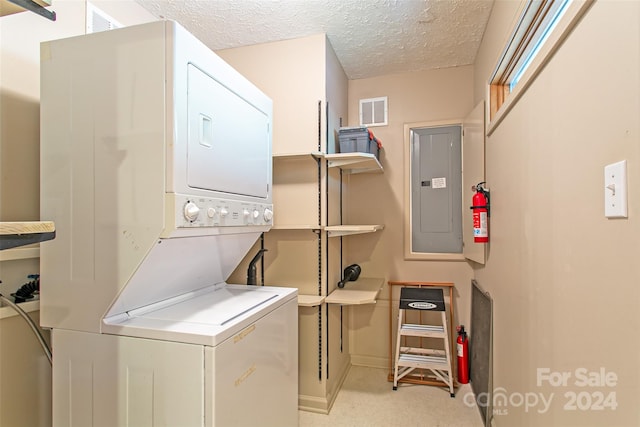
[[156, 168]]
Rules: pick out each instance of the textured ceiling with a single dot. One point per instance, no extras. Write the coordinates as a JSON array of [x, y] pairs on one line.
[[370, 37]]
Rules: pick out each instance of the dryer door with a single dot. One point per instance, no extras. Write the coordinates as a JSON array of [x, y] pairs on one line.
[[229, 146]]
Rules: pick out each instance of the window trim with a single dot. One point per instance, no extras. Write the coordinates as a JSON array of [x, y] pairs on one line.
[[569, 19]]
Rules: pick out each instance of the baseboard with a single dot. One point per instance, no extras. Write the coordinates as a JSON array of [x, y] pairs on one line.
[[315, 404], [320, 404], [337, 385], [370, 361]]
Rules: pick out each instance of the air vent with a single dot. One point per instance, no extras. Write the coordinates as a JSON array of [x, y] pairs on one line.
[[373, 111], [98, 21]]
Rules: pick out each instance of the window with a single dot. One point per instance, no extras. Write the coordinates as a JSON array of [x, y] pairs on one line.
[[540, 29], [373, 111]]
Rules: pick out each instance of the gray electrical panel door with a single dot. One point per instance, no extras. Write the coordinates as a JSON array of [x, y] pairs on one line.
[[436, 190]]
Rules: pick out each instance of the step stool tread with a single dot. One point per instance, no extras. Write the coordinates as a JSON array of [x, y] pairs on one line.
[[412, 329], [423, 361]]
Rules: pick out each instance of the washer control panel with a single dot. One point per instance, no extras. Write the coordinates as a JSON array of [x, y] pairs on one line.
[[214, 212]]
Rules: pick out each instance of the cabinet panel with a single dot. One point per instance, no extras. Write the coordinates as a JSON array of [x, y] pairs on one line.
[[436, 174], [473, 167], [108, 371]]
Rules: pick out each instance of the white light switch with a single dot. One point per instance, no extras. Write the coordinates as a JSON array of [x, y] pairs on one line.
[[615, 190]]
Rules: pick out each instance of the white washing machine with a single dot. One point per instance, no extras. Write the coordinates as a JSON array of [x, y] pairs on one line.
[[156, 168]]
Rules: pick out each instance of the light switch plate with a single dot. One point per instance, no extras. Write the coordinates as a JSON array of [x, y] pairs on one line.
[[615, 190]]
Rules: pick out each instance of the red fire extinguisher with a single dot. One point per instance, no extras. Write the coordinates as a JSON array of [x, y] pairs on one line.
[[480, 214], [463, 355]]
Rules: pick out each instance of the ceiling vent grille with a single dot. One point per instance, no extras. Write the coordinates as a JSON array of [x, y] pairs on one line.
[[373, 111], [98, 21]]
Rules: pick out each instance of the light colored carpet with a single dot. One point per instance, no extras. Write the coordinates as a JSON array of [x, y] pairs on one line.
[[367, 399]]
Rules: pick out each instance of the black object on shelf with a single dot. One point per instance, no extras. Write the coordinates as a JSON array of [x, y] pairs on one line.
[[351, 274], [26, 291]]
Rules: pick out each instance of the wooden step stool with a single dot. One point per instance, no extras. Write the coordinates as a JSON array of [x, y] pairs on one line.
[[409, 358]]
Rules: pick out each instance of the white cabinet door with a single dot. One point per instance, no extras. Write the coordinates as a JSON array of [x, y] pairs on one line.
[[253, 376], [110, 381], [472, 174]]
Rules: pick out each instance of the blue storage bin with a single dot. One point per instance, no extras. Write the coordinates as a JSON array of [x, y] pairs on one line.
[[357, 140]]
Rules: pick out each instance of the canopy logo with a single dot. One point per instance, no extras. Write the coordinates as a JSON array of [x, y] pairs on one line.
[[595, 391]]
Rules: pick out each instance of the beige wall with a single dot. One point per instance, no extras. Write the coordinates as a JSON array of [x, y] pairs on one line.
[[295, 82], [428, 96], [564, 279], [25, 375]]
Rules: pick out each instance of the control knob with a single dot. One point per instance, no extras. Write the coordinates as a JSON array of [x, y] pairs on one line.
[[191, 211], [268, 215]]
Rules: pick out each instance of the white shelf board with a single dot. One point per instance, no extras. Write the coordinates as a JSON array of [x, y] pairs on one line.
[[310, 300], [19, 253], [297, 227], [354, 162], [27, 306], [26, 227], [8, 8], [346, 230], [15, 234], [363, 291], [297, 156]]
